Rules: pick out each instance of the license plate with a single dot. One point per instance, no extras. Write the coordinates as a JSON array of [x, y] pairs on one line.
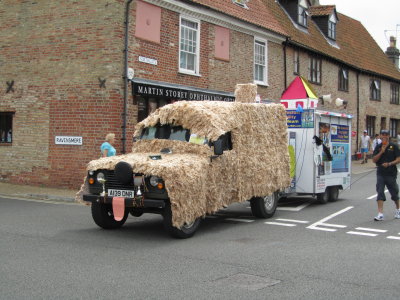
[[121, 193]]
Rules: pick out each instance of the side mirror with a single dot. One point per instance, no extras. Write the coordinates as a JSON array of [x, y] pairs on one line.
[[218, 150]]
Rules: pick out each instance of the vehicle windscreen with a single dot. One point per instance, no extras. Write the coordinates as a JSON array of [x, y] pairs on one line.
[[168, 132]]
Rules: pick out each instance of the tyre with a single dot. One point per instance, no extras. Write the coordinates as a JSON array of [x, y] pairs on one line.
[[136, 213], [264, 207], [333, 193], [103, 216], [186, 231], [323, 198]]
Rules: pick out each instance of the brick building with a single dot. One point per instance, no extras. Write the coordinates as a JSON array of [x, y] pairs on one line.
[[63, 65]]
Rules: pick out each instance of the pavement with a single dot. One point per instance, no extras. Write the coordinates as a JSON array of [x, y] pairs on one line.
[[56, 194]]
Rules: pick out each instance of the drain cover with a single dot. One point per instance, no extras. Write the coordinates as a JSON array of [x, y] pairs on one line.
[[248, 281]]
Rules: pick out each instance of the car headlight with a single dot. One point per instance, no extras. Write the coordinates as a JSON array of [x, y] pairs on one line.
[[154, 180], [100, 177]]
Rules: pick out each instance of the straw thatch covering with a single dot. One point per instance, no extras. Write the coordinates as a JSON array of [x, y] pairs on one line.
[[257, 165]]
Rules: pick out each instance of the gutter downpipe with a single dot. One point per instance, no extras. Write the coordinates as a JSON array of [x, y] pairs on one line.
[[358, 109], [284, 62], [125, 76]]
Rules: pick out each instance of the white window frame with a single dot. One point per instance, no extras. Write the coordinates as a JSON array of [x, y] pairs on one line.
[[196, 69], [296, 62], [256, 60], [302, 13], [332, 27], [315, 70]]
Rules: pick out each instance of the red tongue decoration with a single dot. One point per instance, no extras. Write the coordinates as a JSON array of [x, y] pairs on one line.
[[118, 206]]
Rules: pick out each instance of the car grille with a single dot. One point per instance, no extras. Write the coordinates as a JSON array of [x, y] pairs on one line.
[[113, 183]]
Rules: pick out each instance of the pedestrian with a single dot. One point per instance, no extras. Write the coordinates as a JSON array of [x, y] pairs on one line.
[[365, 145], [376, 141], [386, 156], [107, 148]]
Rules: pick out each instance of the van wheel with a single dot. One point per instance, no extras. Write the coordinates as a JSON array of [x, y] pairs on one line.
[[186, 231], [135, 212], [103, 216], [264, 207], [333, 193], [323, 198]]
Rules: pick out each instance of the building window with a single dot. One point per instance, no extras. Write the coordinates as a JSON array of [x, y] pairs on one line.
[[371, 125], [315, 70], [375, 89], [296, 62], [332, 27], [332, 30], [393, 127], [394, 93], [302, 13], [6, 127], [343, 79], [260, 66], [189, 46]]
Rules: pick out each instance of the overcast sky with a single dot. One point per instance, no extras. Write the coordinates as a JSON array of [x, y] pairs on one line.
[[381, 18]]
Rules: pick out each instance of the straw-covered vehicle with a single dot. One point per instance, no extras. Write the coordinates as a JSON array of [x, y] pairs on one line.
[[192, 159]]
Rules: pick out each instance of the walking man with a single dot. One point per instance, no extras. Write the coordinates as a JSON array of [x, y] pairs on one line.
[[365, 144], [386, 156]]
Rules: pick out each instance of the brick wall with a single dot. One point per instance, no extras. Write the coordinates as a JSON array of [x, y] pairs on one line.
[[56, 52]]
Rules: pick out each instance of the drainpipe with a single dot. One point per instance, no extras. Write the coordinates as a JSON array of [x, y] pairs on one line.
[[358, 109], [284, 62], [125, 76]]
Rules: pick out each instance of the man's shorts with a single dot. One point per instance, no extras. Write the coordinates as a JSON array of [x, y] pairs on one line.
[[391, 184], [364, 150]]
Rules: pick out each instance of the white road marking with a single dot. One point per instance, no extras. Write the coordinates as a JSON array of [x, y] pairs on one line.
[[291, 220], [373, 196], [362, 233], [334, 225], [370, 229], [239, 220], [297, 208], [393, 237], [280, 224], [316, 225]]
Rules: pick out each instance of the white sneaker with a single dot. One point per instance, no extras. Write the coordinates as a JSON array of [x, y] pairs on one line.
[[397, 214], [379, 217]]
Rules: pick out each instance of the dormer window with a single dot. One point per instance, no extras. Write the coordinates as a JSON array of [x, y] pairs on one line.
[[302, 13], [326, 18], [332, 27]]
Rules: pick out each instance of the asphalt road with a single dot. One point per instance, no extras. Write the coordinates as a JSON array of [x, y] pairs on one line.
[[306, 251]]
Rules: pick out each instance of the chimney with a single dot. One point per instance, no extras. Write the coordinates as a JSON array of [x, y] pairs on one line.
[[393, 53]]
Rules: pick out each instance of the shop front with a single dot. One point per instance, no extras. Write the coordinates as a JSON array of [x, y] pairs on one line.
[[151, 94]]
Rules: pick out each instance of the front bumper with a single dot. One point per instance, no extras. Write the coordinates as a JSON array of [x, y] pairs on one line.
[[129, 202]]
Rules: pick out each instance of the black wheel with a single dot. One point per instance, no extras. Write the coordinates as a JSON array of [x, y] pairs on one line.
[[186, 231], [323, 198], [103, 216], [264, 207], [333, 193], [135, 212]]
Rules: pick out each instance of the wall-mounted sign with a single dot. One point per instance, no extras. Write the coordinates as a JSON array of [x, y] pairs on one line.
[[148, 60], [178, 92], [68, 140]]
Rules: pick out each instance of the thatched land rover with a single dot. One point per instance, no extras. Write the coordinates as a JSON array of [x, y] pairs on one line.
[[191, 159]]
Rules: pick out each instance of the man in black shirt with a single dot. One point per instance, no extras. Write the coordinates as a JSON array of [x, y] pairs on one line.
[[386, 156]]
